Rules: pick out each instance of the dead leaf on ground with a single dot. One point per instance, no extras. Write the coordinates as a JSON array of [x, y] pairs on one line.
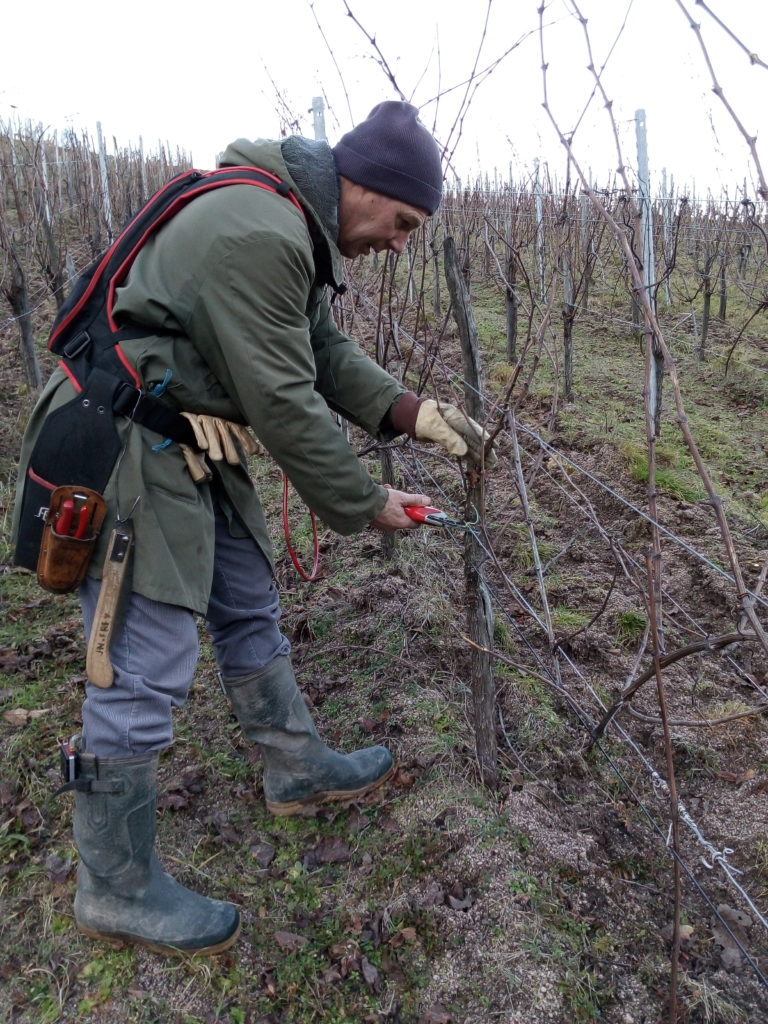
[[357, 821], [370, 725], [403, 936], [330, 850], [445, 818], [729, 938], [227, 831], [347, 947], [736, 777], [269, 985], [8, 792], [263, 854], [28, 815], [174, 800], [434, 895], [58, 868], [373, 930], [459, 898], [290, 941], [23, 716], [436, 1014], [370, 974], [686, 934]]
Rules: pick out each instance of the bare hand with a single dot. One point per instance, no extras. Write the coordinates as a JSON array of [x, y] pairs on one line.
[[392, 517]]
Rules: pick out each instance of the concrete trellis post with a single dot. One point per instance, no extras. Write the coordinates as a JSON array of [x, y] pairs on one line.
[[318, 118], [106, 203]]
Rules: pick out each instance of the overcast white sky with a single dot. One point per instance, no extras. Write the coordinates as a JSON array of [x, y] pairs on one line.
[[200, 76]]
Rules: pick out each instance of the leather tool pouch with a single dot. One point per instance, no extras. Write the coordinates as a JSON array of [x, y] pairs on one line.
[[64, 557], [78, 444]]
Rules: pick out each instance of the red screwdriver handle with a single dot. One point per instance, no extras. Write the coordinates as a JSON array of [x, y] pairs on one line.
[[83, 516], [63, 523]]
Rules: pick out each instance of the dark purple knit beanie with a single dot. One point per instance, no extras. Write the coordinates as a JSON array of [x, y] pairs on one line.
[[393, 153]]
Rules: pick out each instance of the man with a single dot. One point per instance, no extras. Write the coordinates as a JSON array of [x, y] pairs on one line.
[[232, 296]]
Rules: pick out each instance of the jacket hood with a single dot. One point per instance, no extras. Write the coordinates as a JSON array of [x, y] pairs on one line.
[[309, 169]]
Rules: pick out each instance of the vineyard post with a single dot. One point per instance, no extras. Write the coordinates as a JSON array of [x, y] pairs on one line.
[[667, 203], [587, 242], [143, 193], [726, 252], [746, 245], [510, 288], [540, 238], [50, 257], [568, 317], [479, 608], [656, 378], [16, 291], [318, 118], [90, 204], [435, 249], [106, 203]]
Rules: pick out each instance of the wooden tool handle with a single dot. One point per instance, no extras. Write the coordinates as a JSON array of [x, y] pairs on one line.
[[97, 662]]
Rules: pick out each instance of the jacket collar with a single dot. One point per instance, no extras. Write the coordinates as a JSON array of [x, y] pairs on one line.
[[312, 166]]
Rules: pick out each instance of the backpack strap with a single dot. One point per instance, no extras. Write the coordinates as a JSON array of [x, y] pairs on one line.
[[112, 268], [85, 334]]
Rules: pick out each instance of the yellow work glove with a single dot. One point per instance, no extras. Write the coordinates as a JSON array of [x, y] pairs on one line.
[[198, 468], [453, 430], [217, 439]]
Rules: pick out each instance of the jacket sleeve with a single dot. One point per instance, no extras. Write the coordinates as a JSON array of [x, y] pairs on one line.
[[351, 382], [250, 323]]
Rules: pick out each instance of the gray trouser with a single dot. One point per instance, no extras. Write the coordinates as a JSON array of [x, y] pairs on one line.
[[155, 651]]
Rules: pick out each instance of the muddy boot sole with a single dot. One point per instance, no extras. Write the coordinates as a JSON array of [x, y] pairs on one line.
[[119, 940], [343, 797]]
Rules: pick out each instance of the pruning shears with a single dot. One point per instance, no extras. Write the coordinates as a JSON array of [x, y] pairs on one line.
[[430, 516]]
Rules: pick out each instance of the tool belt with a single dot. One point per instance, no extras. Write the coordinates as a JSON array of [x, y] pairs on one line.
[[77, 448]]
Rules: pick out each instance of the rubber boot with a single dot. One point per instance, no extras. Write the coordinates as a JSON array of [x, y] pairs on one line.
[[299, 769], [122, 891]]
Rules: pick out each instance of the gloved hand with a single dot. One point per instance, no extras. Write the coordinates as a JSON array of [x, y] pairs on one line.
[[217, 439], [453, 430]]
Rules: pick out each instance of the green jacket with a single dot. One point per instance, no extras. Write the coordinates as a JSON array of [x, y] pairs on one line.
[[236, 284]]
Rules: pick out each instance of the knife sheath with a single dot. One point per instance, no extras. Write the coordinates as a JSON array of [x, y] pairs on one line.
[[98, 665]]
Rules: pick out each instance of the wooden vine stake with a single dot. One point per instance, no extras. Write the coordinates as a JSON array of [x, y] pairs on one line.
[[479, 608]]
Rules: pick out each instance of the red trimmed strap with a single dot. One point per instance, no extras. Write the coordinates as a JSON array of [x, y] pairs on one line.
[[208, 184]]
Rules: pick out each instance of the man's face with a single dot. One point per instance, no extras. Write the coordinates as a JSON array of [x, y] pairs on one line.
[[370, 221]]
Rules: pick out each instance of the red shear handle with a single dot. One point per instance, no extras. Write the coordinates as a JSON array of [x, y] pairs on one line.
[[423, 513]]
